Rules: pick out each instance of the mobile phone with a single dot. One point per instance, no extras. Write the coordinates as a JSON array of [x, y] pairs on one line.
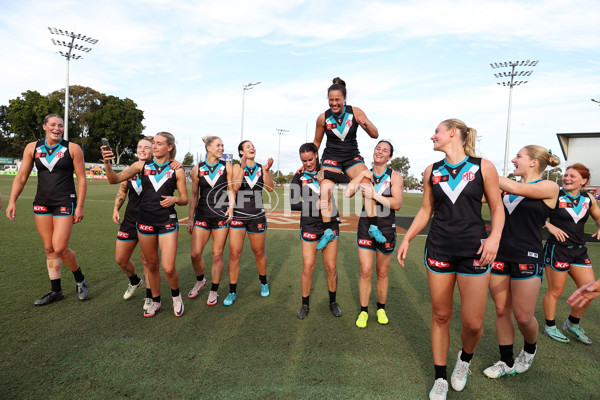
[[105, 144]]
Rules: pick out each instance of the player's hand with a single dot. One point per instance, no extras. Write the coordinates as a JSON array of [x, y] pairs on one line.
[[229, 214], [582, 296], [243, 162], [175, 165], [11, 211], [402, 251], [368, 191], [78, 215], [190, 225], [107, 154], [269, 164], [488, 250], [168, 201], [116, 217], [558, 233]]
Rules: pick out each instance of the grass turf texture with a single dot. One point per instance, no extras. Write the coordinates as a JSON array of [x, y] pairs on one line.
[[256, 349]]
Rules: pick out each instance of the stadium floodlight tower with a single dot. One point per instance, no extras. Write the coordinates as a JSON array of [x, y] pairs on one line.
[[249, 86], [70, 54], [280, 132], [511, 77]]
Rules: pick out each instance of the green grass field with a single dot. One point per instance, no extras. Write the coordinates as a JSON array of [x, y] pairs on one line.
[[256, 349]]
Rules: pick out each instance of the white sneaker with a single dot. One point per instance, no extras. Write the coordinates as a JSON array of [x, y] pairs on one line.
[[154, 308], [147, 303], [524, 361], [439, 390], [460, 374], [499, 369], [196, 289], [178, 306], [131, 290]]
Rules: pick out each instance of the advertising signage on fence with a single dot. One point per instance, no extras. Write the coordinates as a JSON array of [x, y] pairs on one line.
[[7, 160]]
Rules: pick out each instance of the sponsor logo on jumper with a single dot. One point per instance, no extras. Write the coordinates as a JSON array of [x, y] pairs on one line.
[[335, 127], [576, 209], [49, 157], [468, 176], [453, 185]]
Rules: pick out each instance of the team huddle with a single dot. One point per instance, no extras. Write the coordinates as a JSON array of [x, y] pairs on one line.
[[225, 203]]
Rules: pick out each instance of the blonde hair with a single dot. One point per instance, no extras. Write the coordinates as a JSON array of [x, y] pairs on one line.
[[208, 140], [170, 141], [543, 155], [468, 135]]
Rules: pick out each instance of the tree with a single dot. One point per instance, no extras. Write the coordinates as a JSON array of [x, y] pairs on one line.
[[83, 103], [554, 174], [401, 165], [25, 115], [120, 121], [188, 159]]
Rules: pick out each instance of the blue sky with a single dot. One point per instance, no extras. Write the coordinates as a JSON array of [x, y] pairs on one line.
[[407, 64]]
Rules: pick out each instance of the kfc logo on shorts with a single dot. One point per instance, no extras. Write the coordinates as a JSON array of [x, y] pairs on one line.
[[146, 228], [123, 235], [330, 162], [498, 266], [365, 242], [200, 223], [40, 208], [438, 264], [468, 176], [236, 223], [561, 265], [309, 236]]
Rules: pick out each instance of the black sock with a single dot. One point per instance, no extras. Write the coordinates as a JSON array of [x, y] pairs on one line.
[[529, 347], [174, 292], [574, 321], [506, 355], [262, 279], [200, 278], [305, 300], [380, 306], [55, 284], [214, 287], [332, 297], [148, 293], [466, 357], [156, 299], [134, 280], [365, 309], [373, 221], [326, 225], [440, 372], [78, 275], [550, 322], [232, 287]]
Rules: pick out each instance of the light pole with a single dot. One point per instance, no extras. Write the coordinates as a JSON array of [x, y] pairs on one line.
[[70, 55], [508, 79], [244, 89], [280, 132]]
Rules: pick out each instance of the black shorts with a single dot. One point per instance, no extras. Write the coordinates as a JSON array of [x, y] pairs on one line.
[[341, 164], [516, 270], [254, 225], [365, 241], [210, 223], [62, 210], [445, 264], [169, 226], [561, 258], [127, 231], [313, 232]]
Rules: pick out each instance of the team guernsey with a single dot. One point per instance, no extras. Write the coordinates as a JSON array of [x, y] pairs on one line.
[[304, 195], [249, 212], [157, 180], [341, 149], [457, 228], [127, 230], [56, 187], [520, 254], [569, 215], [213, 201], [386, 218]]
